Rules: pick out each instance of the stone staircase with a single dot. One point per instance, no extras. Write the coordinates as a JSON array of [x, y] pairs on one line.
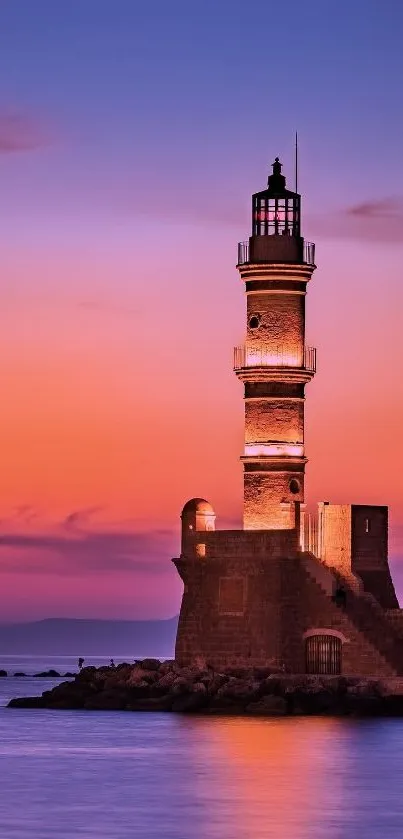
[[361, 608]]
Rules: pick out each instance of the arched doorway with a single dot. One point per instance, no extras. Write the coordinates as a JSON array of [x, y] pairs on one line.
[[323, 655]]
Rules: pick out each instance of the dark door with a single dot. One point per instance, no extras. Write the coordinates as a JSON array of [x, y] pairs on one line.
[[323, 655]]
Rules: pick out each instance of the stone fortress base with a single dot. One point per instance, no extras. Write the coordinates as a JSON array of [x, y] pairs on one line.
[[312, 599]]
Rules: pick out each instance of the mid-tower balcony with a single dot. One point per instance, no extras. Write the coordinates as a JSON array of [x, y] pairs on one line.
[[280, 251], [268, 361]]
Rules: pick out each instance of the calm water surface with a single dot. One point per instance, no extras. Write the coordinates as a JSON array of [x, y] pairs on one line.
[[157, 776]]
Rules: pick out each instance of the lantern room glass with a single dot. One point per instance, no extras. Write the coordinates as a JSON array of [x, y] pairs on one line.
[[276, 215]]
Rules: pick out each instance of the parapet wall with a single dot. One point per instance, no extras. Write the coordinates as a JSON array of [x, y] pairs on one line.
[[235, 543]]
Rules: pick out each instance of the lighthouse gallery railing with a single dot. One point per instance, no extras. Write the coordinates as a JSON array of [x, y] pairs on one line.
[[267, 355], [308, 257]]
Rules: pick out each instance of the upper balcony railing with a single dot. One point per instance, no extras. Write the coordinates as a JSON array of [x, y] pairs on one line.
[[266, 355], [308, 257]]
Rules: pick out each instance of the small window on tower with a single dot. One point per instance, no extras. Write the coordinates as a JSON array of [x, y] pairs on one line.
[[294, 486], [254, 321], [367, 525], [231, 596]]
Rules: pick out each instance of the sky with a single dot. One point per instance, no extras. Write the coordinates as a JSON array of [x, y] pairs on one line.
[[132, 136]]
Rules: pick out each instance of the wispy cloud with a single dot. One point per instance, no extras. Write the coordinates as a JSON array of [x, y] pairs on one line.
[[20, 133], [75, 546], [80, 518], [21, 515], [377, 220], [383, 208]]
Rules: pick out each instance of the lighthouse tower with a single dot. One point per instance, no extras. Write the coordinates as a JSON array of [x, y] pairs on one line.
[[274, 363]]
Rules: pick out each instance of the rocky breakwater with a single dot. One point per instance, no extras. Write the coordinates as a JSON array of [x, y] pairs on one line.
[[151, 685]]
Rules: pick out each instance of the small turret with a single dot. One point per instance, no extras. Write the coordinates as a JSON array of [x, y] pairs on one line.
[[197, 515]]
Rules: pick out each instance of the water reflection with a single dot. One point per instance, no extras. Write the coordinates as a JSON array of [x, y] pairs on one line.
[[282, 778], [78, 775]]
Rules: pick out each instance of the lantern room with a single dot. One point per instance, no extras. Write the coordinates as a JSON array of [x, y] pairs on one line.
[[276, 226], [276, 211]]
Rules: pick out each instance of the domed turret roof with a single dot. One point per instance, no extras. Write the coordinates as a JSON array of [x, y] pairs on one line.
[[197, 505]]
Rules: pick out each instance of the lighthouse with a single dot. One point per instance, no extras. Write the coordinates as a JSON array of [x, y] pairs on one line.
[[265, 595], [274, 364]]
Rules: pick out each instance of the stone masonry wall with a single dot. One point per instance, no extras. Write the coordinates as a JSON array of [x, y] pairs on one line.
[[264, 495], [274, 419], [253, 609], [335, 528], [282, 321], [210, 631]]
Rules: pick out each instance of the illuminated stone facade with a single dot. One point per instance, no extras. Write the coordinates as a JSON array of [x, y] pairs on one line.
[[274, 366], [299, 594]]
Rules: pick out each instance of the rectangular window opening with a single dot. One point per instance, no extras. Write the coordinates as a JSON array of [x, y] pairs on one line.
[[231, 596]]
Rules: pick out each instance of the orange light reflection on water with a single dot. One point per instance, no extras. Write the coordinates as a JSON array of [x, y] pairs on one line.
[[275, 777]]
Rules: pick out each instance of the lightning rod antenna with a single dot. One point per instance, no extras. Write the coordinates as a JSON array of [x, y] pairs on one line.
[[296, 161]]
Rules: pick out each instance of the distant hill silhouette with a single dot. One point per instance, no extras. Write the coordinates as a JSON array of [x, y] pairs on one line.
[[65, 636]]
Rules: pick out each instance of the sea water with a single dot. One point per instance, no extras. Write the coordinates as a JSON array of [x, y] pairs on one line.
[[76, 774]]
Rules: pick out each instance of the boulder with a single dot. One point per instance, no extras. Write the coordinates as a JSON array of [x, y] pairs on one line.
[[239, 672], [272, 686], [192, 674], [150, 676], [69, 695], [168, 666], [27, 702], [136, 675], [314, 702], [138, 690], [161, 703], [3, 673], [214, 682], [87, 674], [190, 702], [224, 705], [150, 664], [366, 688], [270, 706], [240, 691], [119, 675], [107, 700], [47, 674], [181, 685], [366, 698], [260, 673], [167, 680]]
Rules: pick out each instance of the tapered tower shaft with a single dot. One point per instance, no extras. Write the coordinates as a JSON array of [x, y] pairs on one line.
[[274, 363]]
